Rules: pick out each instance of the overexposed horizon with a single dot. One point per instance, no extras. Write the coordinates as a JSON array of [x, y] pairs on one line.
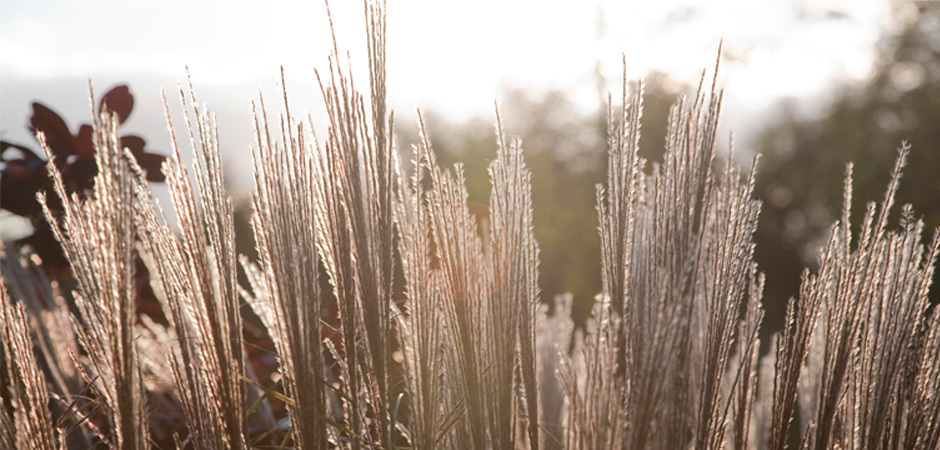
[[453, 58]]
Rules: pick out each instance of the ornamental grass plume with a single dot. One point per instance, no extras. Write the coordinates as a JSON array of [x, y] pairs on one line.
[[677, 259], [98, 233], [873, 374], [195, 273], [26, 394], [448, 303]]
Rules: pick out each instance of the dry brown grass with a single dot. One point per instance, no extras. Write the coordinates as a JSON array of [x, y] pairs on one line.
[[669, 359]]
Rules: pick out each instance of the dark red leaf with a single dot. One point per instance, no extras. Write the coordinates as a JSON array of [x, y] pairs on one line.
[[84, 142], [57, 132], [134, 143], [19, 191], [119, 101], [82, 174], [151, 163]]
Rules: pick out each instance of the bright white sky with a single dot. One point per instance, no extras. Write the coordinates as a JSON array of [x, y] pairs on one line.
[[452, 57]]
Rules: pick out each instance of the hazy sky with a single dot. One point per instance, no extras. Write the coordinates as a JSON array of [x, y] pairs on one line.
[[452, 57]]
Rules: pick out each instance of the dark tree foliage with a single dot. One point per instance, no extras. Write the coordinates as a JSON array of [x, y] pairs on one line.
[[864, 123]]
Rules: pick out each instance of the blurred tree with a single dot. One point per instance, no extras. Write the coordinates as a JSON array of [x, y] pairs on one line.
[[864, 123]]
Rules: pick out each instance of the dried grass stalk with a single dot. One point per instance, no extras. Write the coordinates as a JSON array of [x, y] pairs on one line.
[[291, 301], [25, 393], [422, 325], [677, 261], [197, 274], [488, 296], [669, 359], [876, 331], [354, 223], [97, 236]]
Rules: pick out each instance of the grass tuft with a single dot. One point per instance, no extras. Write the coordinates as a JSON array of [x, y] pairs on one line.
[[462, 353]]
